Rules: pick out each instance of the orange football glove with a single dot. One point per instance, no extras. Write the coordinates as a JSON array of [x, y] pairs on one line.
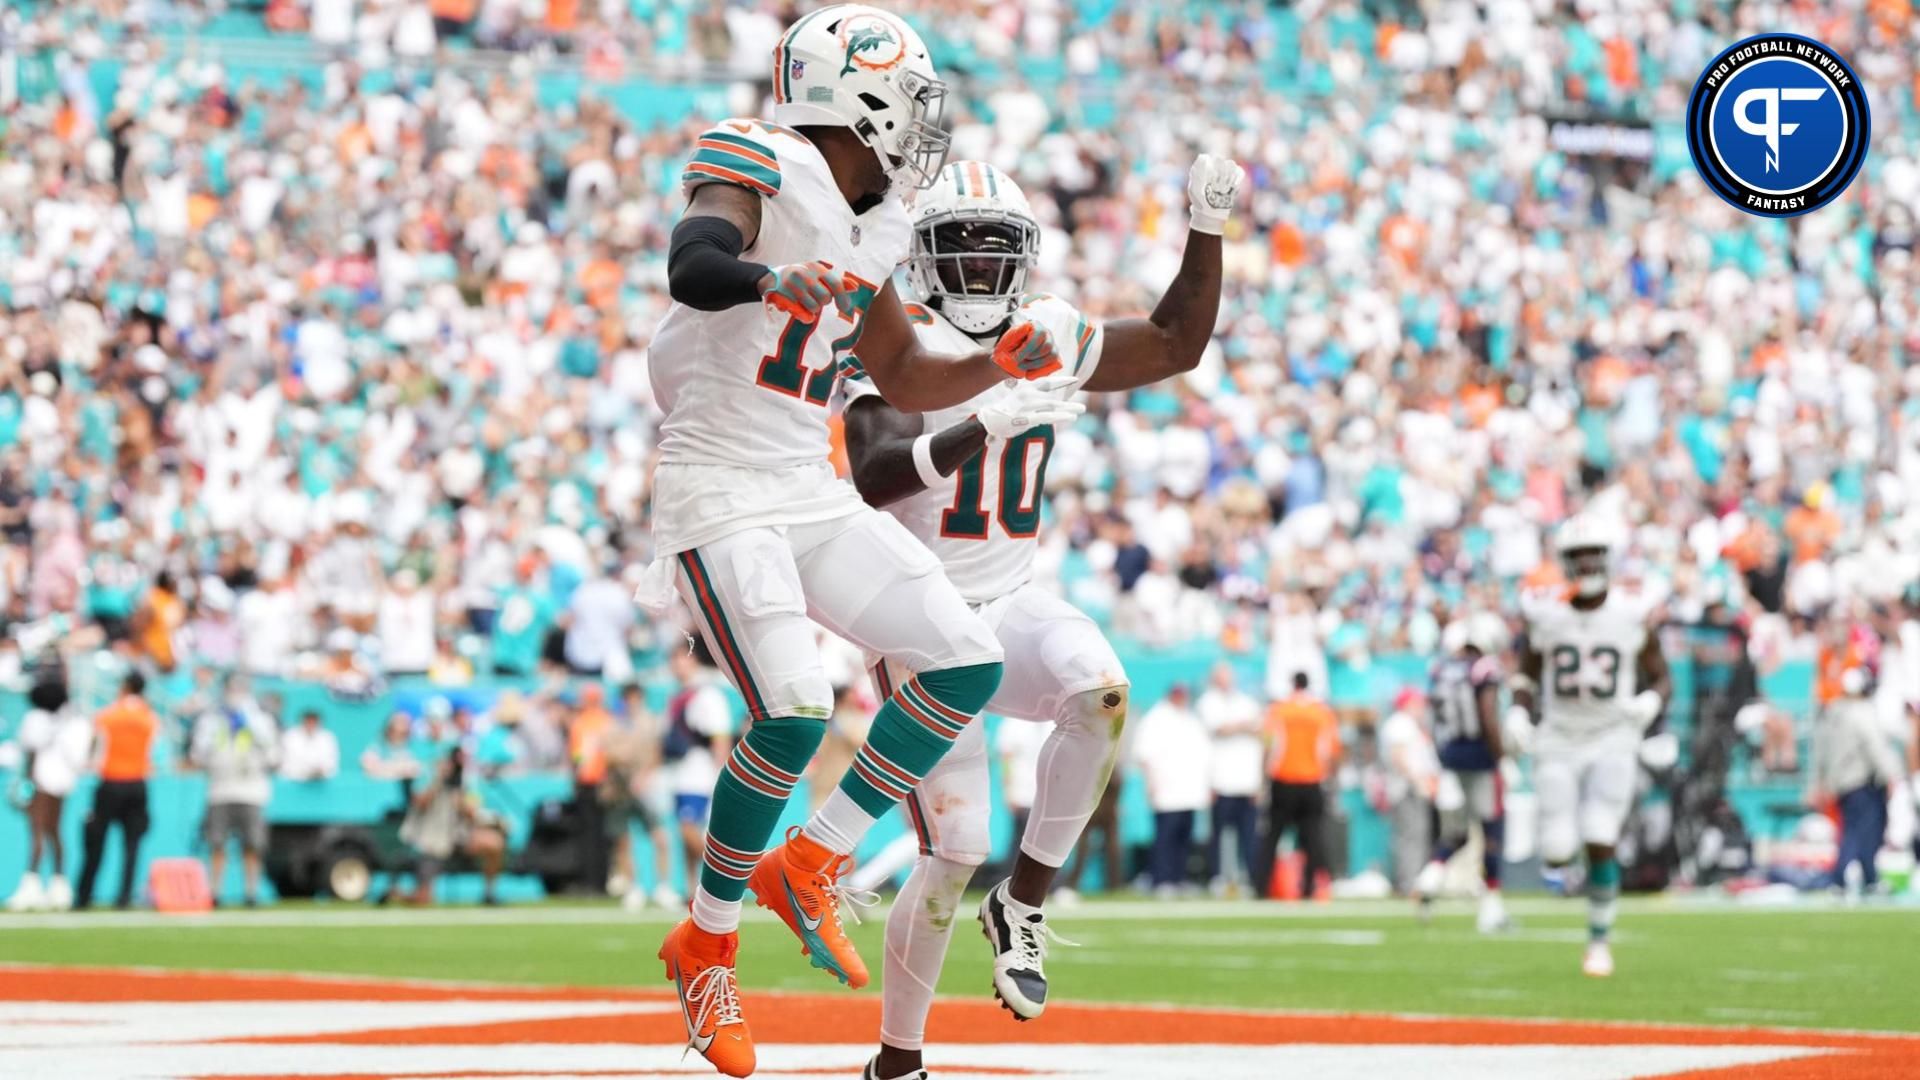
[[803, 290], [1026, 352]]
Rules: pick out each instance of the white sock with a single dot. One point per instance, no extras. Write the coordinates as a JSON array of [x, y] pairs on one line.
[[918, 929], [1075, 763], [714, 915], [838, 825]]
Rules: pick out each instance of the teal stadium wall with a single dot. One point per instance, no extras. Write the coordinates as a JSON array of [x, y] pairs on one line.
[[178, 800]]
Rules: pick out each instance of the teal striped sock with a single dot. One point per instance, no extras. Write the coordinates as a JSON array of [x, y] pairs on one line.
[[750, 796], [1603, 898]]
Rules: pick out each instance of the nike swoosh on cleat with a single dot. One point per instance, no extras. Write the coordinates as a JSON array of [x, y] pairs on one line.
[[694, 1038], [811, 924]]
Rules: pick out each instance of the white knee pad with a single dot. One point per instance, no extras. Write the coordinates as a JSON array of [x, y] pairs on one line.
[[1100, 713]]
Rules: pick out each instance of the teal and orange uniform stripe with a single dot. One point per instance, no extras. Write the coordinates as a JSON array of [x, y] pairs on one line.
[[720, 633], [729, 862], [782, 57], [1083, 335], [885, 775], [852, 368], [733, 159], [753, 769], [916, 813], [918, 315], [935, 717]]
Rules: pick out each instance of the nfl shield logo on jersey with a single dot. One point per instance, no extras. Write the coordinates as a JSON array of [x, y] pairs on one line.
[[856, 234]]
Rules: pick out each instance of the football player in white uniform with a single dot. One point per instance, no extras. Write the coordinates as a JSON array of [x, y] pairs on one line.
[[783, 261], [1594, 673], [968, 482]]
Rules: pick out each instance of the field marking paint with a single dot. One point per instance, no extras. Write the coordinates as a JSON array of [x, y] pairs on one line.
[[1218, 939], [157, 1026]]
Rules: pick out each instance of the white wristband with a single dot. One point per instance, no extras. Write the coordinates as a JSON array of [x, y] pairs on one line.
[[923, 461]]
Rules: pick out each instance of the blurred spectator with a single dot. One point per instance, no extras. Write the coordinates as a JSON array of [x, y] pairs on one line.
[[698, 738], [628, 794], [1232, 718], [392, 757], [846, 733], [500, 747], [445, 818], [1412, 781], [1855, 766], [125, 731], [58, 741], [405, 624], [1303, 739], [587, 749], [236, 744], [1172, 749], [309, 751], [159, 617], [598, 619]]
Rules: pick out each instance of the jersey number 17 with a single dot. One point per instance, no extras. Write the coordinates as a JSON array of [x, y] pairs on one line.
[[785, 371]]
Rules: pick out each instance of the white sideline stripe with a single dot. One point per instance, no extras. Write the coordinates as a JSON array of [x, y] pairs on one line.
[[837, 1061], [1228, 939], [1122, 911]]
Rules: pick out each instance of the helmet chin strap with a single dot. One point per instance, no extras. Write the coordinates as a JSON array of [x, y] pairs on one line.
[[956, 309], [1588, 586]]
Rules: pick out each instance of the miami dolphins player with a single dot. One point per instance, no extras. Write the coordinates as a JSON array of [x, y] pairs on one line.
[[968, 482], [782, 261], [1594, 671]]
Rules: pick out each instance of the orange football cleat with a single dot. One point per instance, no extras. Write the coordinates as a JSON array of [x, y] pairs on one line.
[[700, 966], [808, 901]]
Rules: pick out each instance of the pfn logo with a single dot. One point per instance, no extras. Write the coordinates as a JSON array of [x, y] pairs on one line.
[[1778, 125]]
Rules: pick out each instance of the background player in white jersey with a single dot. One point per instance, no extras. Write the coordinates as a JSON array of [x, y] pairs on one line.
[[1466, 735], [1594, 669], [968, 482], [781, 263]]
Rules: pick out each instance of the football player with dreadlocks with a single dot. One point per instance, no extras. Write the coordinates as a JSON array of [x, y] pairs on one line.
[[968, 482]]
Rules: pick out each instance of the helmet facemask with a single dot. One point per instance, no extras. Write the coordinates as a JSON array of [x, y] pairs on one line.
[[1586, 568], [914, 147], [974, 265]]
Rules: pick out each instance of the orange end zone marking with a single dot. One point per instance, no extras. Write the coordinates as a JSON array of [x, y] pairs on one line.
[[955, 1024]]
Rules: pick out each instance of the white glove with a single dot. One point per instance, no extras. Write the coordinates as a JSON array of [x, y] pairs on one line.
[[1212, 185], [1644, 708], [1517, 730], [1030, 403], [1660, 752]]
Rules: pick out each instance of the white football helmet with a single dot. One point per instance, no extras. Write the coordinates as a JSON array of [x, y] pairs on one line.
[[974, 240], [860, 68], [1488, 632], [1586, 545]]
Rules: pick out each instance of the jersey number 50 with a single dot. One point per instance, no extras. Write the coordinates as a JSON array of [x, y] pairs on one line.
[[785, 369], [1020, 481]]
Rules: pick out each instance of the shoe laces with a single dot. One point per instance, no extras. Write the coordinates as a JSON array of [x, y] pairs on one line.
[[1031, 937], [844, 897], [719, 997]]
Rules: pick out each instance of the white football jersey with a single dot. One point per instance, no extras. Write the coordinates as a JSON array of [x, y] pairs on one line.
[[983, 521], [1590, 660], [749, 386]]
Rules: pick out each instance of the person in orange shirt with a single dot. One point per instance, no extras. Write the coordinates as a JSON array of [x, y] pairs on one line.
[[1305, 740], [158, 617], [123, 734], [586, 748]]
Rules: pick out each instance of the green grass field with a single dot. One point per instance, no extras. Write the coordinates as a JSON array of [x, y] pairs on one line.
[[1704, 963]]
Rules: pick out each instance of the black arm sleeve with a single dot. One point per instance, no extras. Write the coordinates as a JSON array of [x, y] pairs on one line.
[[704, 268]]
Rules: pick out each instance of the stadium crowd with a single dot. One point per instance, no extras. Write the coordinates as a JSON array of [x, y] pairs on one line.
[[349, 380]]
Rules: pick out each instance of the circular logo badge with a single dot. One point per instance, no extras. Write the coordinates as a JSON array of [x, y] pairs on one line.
[[1778, 125]]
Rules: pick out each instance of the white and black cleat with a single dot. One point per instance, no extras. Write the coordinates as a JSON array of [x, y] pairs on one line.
[[1019, 936], [871, 1072]]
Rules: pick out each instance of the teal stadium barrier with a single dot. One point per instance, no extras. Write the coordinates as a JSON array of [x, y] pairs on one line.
[[179, 799]]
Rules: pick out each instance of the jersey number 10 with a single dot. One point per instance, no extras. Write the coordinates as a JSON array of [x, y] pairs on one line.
[[785, 369], [966, 519]]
